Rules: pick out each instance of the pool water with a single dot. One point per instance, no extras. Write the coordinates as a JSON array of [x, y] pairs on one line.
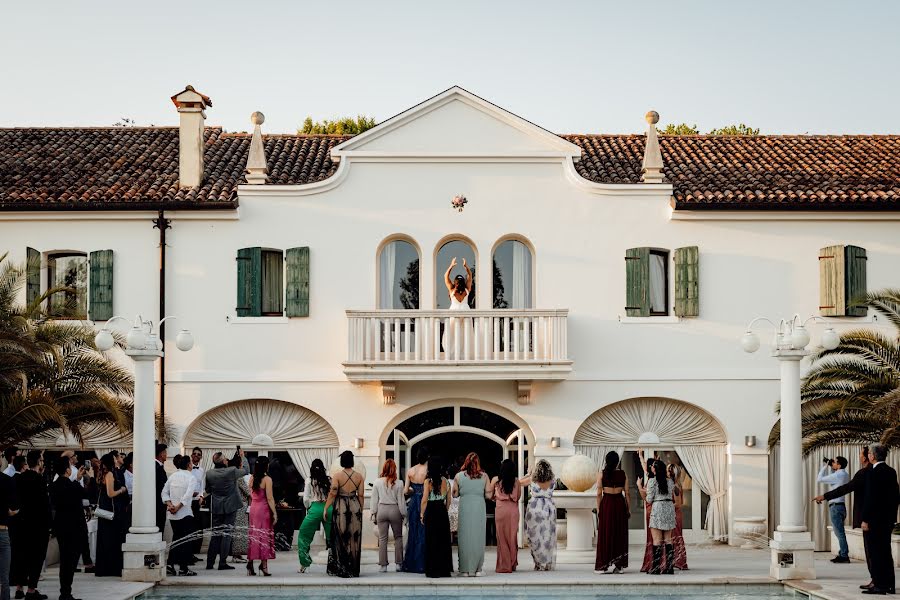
[[636, 592]]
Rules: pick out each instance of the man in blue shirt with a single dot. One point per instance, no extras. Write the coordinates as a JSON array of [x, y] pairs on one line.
[[834, 474]]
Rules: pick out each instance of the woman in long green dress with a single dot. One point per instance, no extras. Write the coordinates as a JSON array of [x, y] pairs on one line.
[[472, 487]]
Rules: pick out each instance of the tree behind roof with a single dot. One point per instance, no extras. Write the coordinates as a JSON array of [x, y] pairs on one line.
[[341, 126]]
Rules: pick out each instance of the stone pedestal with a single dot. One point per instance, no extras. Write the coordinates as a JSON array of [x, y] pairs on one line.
[[792, 556], [579, 507], [144, 557]]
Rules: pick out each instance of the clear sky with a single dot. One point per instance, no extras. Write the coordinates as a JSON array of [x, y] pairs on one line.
[[783, 66]]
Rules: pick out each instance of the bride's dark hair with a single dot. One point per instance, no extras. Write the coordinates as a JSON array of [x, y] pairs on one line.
[[459, 284]]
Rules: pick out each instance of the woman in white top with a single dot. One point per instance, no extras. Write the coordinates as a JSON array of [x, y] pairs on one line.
[[389, 509], [314, 495], [458, 345], [177, 494]]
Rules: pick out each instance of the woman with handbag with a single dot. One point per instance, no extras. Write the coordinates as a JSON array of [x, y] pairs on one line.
[[112, 520]]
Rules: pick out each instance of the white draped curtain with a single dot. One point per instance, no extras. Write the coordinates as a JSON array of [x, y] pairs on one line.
[[208, 453], [386, 276], [709, 470], [520, 272], [100, 437], [303, 457], [657, 283]]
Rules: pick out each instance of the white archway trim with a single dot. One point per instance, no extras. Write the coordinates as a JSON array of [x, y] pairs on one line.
[[287, 425], [671, 421], [95, 436], [457, 428]]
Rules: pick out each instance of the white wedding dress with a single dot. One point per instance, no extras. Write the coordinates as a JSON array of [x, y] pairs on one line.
[[456, 328]]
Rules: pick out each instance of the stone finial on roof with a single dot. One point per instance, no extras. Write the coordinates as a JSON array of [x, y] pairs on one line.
[[651, 170], [257, 171]]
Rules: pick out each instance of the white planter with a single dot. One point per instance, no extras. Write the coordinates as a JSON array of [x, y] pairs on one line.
[[752, 530], [579, 526], [855, 544]]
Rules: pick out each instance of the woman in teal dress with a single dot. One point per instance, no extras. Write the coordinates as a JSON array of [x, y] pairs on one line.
[[473, 486], [414, 556]]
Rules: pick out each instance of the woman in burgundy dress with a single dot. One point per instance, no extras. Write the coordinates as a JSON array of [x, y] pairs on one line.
[[613, 514], [507, 490], [647, 466], [674, 473]]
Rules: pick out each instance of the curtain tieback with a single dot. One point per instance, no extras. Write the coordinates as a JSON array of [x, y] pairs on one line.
[[717, 495]]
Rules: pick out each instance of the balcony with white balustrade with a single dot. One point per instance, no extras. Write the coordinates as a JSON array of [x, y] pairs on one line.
[[521, 345]]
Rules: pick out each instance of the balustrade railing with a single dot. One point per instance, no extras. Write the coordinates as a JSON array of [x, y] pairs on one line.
[[491, 336]]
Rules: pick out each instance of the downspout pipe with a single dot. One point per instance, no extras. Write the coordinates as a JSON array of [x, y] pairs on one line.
[[163, 224]]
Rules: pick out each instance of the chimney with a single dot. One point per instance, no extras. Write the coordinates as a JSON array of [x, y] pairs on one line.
[[190, 105], [651, 171]]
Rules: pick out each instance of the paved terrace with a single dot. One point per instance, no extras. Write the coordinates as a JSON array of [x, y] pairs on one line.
[[710, 564]]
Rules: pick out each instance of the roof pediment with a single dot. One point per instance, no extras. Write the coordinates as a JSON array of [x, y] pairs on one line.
[[457, 124]]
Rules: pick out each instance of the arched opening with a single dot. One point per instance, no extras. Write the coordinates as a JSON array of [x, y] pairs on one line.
[[674, 432], [512, 279], [398, 274], [453, 247]]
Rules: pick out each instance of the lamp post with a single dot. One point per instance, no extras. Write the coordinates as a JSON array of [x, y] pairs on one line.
[[144, 550], [792, 546]]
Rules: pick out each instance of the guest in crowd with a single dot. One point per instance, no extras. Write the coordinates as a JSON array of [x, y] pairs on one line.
[[674, 473], [32, 528], [263, 517], [91, 485], [347, 496], [111, 532], [856, 486], [8, 510], [662, 518], [473, 486], [8, 455], [505, 490], [161, 477], [388, 508], [647, 469], [240, 543], [453, 511], [225, 502], [199, 474], [540, 516], [834, 474], [613, 512], [435, 500], [414, 556], [314, 496], [879, 515], [69, 526], [19, 464], [128, 473], [176, 495]]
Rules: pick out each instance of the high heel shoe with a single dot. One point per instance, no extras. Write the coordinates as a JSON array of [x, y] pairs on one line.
[[250, 571], [264, 571]]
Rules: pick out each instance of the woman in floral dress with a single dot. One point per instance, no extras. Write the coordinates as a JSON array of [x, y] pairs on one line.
[[540, 516]]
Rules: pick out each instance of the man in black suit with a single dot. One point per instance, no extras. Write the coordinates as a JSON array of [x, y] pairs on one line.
[[161, 477], [33, 525], [878, 518], [69, 526]]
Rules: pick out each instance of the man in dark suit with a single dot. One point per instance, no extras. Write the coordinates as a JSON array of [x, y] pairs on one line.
[[33, 524], [161, 477], [878, 518], [224, 503], [69, 526], [856, 486]]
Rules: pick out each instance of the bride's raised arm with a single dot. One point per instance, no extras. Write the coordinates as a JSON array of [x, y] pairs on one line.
[[468, 276], [447, 281]]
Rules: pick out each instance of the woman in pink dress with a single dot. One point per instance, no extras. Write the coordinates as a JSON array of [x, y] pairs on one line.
[[507, 490], [261, 545]]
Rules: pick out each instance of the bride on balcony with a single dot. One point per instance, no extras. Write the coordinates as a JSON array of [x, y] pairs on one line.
[[458, 288]]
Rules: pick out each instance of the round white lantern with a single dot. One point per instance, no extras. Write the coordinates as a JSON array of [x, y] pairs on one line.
[[579, 473], [358, 466]]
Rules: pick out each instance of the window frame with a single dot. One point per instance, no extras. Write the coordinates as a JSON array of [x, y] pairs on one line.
[[438, 270], [48, 260], [398, 237], [263, 270], [533, 271], [666, 274]]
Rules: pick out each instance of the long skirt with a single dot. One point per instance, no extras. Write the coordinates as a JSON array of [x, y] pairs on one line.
[[540, 528], [678, 541], [648, 549], [506, 517], [314, 519], [110, 537], [414, 556], [346, 537], [241, 534], [438, 551], [471, 534], [612, 533], [261, 545]]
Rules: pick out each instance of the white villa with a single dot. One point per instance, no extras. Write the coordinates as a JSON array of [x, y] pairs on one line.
[[614, 276]]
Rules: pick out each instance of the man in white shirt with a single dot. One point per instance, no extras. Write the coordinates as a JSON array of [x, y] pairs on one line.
[[834, 474], [128, 471], [9, 454], [177, 494], [199, 474]]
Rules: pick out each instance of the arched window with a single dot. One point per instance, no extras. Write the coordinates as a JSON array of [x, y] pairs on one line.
[[460, 250], [398, 275], [512, 275]]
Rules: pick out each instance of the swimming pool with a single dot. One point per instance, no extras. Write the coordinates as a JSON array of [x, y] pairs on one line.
[[605, 592]]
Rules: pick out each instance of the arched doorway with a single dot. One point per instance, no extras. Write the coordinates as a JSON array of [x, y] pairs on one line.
[[675, 432], [453, 428]]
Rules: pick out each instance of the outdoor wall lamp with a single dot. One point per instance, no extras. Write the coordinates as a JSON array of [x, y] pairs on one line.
[[554, 442], [750, 441], [359, 443]]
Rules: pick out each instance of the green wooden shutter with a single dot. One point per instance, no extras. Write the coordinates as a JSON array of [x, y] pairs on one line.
[[687, 281], [249, 282], [297, 282], [855, 280], [32, 275], [637, 282], [100, 297], [832, 298]]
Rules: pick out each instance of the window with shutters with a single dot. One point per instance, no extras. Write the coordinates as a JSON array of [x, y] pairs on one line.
[[842, 281], [649, 288], [68, 270], [272, 286], [272, 282]]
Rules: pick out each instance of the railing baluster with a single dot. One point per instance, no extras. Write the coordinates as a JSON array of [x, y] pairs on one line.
[[505, 338], [526, 329], [406, 334], [436, 337], [516, 339]]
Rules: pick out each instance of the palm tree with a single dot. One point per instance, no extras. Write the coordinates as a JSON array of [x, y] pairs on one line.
[[851, 395], [51, 374]]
